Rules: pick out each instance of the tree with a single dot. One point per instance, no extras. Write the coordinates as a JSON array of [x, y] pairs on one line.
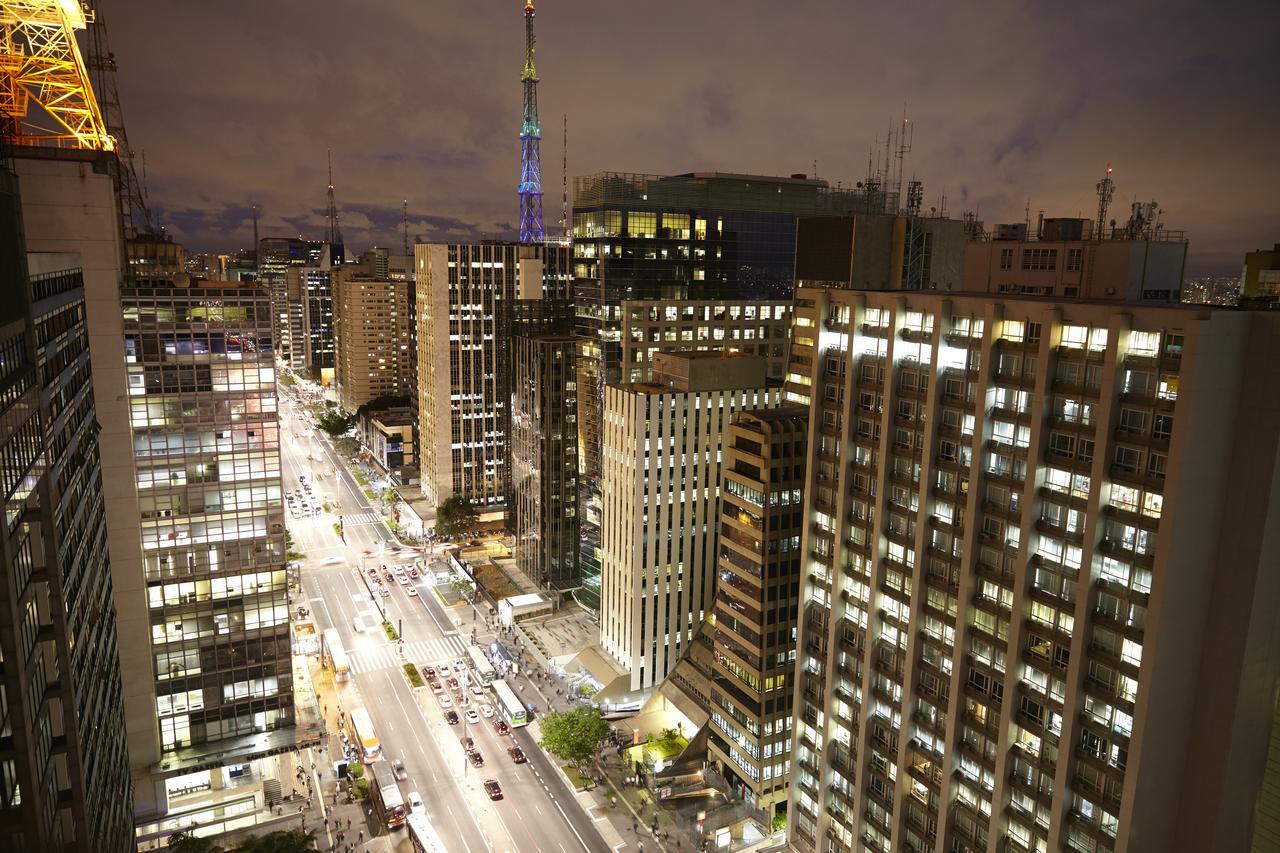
[[455, 516], [574, 736], [334, 422], [185, 842], [281, 841]]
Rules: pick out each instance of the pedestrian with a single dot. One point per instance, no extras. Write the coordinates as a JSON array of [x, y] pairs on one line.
[[348, 823], [326, 822], [308, 802], [271, 805], [360, 837]]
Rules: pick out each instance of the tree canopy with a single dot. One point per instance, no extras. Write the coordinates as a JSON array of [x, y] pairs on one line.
[[185, 842], [455, 516], [334, 422], [574, 736], [282, 841]]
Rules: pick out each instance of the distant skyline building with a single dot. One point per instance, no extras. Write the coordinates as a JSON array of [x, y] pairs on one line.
[[702, 236], [1260, 276], [464, 291], [1038, 562], [64, 762], [661, 502]]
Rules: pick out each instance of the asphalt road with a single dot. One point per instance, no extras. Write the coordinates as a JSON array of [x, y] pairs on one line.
[[537, 812]]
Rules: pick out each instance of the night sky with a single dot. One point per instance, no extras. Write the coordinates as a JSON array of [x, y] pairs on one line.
[[236, 102]]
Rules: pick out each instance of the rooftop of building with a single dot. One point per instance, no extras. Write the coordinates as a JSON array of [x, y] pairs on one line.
[[727, 191], [692, 371]]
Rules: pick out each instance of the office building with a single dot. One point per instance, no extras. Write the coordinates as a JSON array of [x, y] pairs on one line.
[[154, 257], [757, 593], [276, 256], [1037, 571], [464, 379], [1135, 264], [703, 236], [202, 399], [661, 502], [371, 337], [754, 327], [543, 468], [64, 762]]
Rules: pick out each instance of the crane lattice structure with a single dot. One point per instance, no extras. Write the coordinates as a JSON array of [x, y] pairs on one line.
[[530, 188], [41, 66]]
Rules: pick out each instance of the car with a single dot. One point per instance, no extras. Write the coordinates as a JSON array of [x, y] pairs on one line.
[[404, 580], [463, 699], [472, 717], [502, 728], [413, 573], [445, 701], [385, 592], [444, 669], [468, 744], [429, 672], [460, 666], [517, 755], [398, 570], [486, 711], [493, 789], [397, 767], [452, 682], [451, 717], [357, 624], [476, 690], [412, 592], [415, 803], [388, 577], [477, 760]]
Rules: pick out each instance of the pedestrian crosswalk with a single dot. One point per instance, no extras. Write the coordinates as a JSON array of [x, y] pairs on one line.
[[361, 518], [419, 652]]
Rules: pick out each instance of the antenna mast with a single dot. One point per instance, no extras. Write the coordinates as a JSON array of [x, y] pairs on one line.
[[335, 234], [255, 236], [530, 188], [906, 133], [564, 179], [1106, 189], [405, 222]]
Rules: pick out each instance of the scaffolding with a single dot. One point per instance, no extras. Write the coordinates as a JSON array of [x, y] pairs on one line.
[[42, 73]]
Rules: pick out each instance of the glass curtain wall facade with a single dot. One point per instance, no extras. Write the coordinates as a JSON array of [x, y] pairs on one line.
[[702, 236], [206, 442]]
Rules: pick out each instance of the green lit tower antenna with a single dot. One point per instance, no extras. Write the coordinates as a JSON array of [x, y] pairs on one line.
[[530, 189]]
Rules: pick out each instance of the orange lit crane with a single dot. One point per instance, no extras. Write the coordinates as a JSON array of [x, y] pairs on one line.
[[43, 72]]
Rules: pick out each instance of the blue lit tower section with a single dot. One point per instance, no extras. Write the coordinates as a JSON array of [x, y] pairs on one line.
[[531, 132]]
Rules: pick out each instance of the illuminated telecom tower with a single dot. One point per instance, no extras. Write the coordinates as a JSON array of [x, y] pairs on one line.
[[530, 188], [41, 65]]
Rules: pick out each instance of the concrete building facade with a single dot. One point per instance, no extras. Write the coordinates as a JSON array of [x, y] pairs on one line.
[[757, 594], [64, 764], [464, 377], [661, 502], [1038, 606], [370, 337], [1144, 270]]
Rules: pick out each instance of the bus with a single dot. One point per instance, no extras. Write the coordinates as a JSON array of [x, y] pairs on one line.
[[333, 656], [481, 670], [384, 791], [513, 710], [362, 734], [423, 836]]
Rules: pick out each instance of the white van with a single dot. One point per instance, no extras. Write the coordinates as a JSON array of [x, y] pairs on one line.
[[357, 625]]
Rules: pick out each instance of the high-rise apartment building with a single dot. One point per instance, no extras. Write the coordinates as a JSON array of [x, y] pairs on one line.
[[371, 337], [754, 327], [1036, 573], [64, 764], [661, 502], [202, 409], [276, 256], [701, 236], [464, 372], [543, 507], [757, 593], [1260, 277]]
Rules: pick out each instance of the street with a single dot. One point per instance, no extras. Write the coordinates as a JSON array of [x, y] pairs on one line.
[[537, 813]]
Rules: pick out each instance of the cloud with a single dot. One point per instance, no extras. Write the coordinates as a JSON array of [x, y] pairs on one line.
[[237, 103]]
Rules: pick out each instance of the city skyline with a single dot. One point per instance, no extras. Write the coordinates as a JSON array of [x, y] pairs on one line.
[[1000, 121]]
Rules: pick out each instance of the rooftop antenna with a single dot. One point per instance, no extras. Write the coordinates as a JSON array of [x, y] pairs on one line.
[[815, 169], [564, 180], [1106, 189], [405, 222], [254, 210], [905, 135], [334, 235]]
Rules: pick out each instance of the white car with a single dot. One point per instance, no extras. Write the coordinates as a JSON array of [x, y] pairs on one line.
[[444, 669], [445, 701], [357, 624], [486, 711], [472, 717], [415, 804], [412, 592]]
